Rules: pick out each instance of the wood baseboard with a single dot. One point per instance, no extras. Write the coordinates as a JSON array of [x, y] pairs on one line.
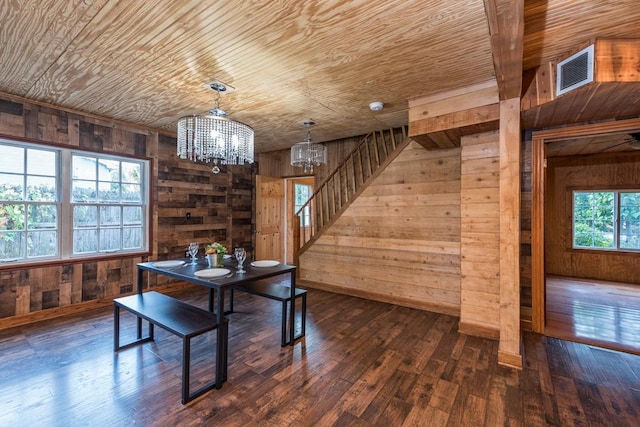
[[377, 297], [510, 360], [52, 313], [478, 330]]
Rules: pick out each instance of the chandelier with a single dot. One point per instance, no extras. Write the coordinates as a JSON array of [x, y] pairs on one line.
[[213, 138], [307, 154]]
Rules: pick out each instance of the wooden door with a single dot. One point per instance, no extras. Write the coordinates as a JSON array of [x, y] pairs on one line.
[[269, 218]]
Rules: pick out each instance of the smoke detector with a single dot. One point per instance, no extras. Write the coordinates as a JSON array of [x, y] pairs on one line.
[[376, 106]]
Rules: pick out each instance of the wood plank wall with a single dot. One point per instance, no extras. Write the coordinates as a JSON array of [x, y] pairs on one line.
[[400, 240], [526, 303], [596, 172], [480, 235], [271, 168], [278, 163], [220, 207]]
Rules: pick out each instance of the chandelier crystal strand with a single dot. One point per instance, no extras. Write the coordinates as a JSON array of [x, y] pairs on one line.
[[214, 139]]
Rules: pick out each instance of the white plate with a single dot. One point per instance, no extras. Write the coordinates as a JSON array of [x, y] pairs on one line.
[[226, 256], [265, 263], [168, 264], [212, 272]]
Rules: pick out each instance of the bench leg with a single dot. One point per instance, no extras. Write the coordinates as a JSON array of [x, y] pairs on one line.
[[283, 340], [187, 396], [186, 368], [303, 327], [116, 331]]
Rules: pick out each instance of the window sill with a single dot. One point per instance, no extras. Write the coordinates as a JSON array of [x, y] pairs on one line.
[[70, 261]]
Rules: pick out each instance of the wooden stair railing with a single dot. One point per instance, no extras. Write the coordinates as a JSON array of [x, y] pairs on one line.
[[372, 154]]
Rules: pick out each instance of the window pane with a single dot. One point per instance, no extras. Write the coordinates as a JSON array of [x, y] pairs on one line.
[[629, 221], [109, 170], [131, 173], [85, 241], [593, 219], [41, 162], [109, 215], [84, 191], [42, 217], [83, 168], [11, 159], [41, 189], [110, 239], [132, 193], [85, 216], [11, 187], [11, 245], [132, 215], [108, 192], [132, 238], [42, 243], [12, 216]]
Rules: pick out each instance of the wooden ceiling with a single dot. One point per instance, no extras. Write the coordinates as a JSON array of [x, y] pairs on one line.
[[288, 61]]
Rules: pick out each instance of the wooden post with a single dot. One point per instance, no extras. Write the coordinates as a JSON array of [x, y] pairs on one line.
[[509, 352]]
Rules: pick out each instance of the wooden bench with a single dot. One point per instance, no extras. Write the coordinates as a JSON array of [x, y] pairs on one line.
[[177, 317], [276, 292]]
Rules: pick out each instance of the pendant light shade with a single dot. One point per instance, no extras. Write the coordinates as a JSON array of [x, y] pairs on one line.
[[307, 154], [215, 139]]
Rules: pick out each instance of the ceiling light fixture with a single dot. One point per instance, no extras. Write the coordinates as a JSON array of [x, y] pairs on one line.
[[213, 138], [376, 106], [307, 154]]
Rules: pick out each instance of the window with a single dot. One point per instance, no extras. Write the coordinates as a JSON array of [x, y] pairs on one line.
[[302, 194], [606, 220], [64, 203]]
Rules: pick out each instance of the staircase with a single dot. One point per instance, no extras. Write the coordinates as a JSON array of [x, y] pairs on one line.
[[332, 197]]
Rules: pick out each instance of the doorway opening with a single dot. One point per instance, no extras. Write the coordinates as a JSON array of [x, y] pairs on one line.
[[298, 191], [589, 295]]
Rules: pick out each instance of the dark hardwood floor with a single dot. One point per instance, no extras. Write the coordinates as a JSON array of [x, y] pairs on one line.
[[361, 363], [606, 314]]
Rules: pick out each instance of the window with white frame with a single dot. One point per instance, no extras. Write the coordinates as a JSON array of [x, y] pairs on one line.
[[60, 203], [607, 219]]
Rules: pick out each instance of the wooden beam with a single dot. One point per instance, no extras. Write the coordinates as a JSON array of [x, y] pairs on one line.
[[506, 27], [509, 352], [458, 119]]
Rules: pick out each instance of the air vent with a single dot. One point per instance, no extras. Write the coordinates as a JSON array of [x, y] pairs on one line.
[[575, 71]]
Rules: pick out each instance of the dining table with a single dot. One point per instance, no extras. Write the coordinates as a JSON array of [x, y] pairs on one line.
[[186, 271]]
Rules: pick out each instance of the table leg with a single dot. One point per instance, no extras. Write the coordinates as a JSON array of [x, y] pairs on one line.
[[139, 289], [139, 284], [221, 340]]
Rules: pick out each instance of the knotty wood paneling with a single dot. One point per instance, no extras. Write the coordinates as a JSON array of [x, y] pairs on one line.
[[400, 240], [606, 172], [526, 303], [480, 245], [220, 207], [277, 164]]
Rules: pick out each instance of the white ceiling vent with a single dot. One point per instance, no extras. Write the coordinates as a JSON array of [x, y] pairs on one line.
[[575, 71]]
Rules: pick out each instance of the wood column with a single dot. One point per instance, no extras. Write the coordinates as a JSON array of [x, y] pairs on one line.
[[509, 352]]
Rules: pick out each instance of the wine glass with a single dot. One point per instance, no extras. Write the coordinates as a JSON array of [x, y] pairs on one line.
[[241, 255], [193, 251]]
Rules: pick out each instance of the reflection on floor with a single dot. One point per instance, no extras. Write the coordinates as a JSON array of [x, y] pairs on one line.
[[606, 314]]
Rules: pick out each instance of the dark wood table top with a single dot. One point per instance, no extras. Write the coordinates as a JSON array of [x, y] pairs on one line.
[[186, 272]]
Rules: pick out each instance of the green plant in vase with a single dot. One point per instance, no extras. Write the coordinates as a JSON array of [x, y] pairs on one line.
[[215, 251]]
